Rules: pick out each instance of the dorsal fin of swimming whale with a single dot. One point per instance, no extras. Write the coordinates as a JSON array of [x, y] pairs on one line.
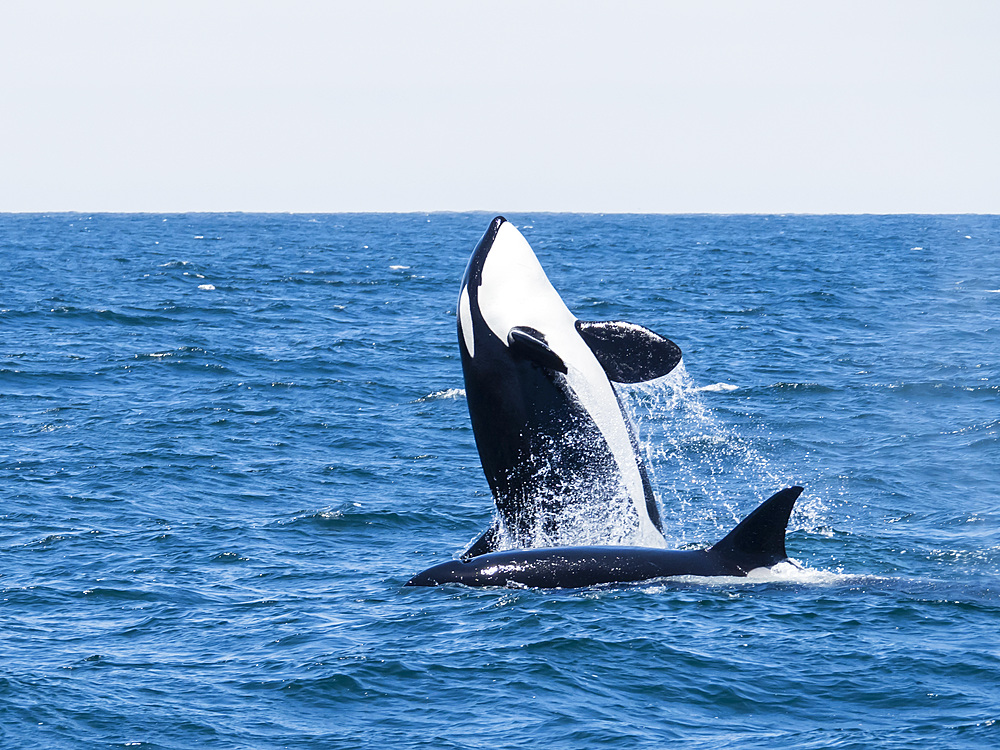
[[487, 542], [628, 352], [759, 540]]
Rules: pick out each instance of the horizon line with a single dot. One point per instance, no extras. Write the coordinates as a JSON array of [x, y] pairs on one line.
[[431, 212]]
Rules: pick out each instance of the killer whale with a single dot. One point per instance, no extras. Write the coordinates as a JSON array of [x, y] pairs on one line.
[[556, 445], [757, 542], [559, 454]]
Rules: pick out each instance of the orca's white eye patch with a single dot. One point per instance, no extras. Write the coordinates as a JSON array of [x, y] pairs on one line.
[[465, 321]]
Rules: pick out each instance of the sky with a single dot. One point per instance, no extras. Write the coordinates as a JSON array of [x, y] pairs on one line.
[[758, 106]]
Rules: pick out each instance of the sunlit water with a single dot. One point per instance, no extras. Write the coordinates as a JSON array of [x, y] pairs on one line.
[[230, 439]]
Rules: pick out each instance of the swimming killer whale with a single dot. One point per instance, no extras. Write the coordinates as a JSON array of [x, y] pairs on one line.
[[757, 542], [559, 454]]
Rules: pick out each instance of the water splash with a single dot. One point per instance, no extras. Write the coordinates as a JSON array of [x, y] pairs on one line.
[[705, 476], [701, 470], [572, 508]]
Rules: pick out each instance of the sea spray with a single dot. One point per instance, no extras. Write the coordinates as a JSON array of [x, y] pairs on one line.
[[706, 477], [568, 513], [700, 468]]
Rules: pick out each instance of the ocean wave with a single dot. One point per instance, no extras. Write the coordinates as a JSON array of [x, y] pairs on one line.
[[449, 393], [717, 388], [205, 557]]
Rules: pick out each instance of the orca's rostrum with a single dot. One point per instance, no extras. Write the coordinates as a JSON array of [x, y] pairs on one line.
[[573, 499]]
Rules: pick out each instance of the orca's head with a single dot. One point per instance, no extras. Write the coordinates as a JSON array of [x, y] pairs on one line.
[[504, 287]]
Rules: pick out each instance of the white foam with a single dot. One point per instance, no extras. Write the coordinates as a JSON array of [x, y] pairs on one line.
[[792, 571], [788, 572], [450, 393], [717, 388], [207, 287]]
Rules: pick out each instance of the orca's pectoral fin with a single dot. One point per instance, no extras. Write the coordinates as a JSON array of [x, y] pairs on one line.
[[487, 542], [759, 539], [629, 353], [531, 345]]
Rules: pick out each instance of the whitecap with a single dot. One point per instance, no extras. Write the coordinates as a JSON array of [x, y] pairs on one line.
[[450, 393], [207, 287], [718, 388]]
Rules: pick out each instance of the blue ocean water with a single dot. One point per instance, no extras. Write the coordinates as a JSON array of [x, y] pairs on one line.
[[228, 440]]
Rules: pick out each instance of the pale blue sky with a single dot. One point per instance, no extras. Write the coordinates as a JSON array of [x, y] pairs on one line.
[[516, 106]]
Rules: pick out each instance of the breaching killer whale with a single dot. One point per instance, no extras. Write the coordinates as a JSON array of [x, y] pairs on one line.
[[556, 446], [757, 542], [558, 452]]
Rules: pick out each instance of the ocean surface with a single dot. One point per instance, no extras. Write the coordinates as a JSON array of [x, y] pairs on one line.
[[228, 440]]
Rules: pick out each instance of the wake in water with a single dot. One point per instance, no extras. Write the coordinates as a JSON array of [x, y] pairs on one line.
[[788, 572]]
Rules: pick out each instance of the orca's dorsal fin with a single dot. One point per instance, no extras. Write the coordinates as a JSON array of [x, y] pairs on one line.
[[759, 539], [629, 353], [487, 542], [528, 343]]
